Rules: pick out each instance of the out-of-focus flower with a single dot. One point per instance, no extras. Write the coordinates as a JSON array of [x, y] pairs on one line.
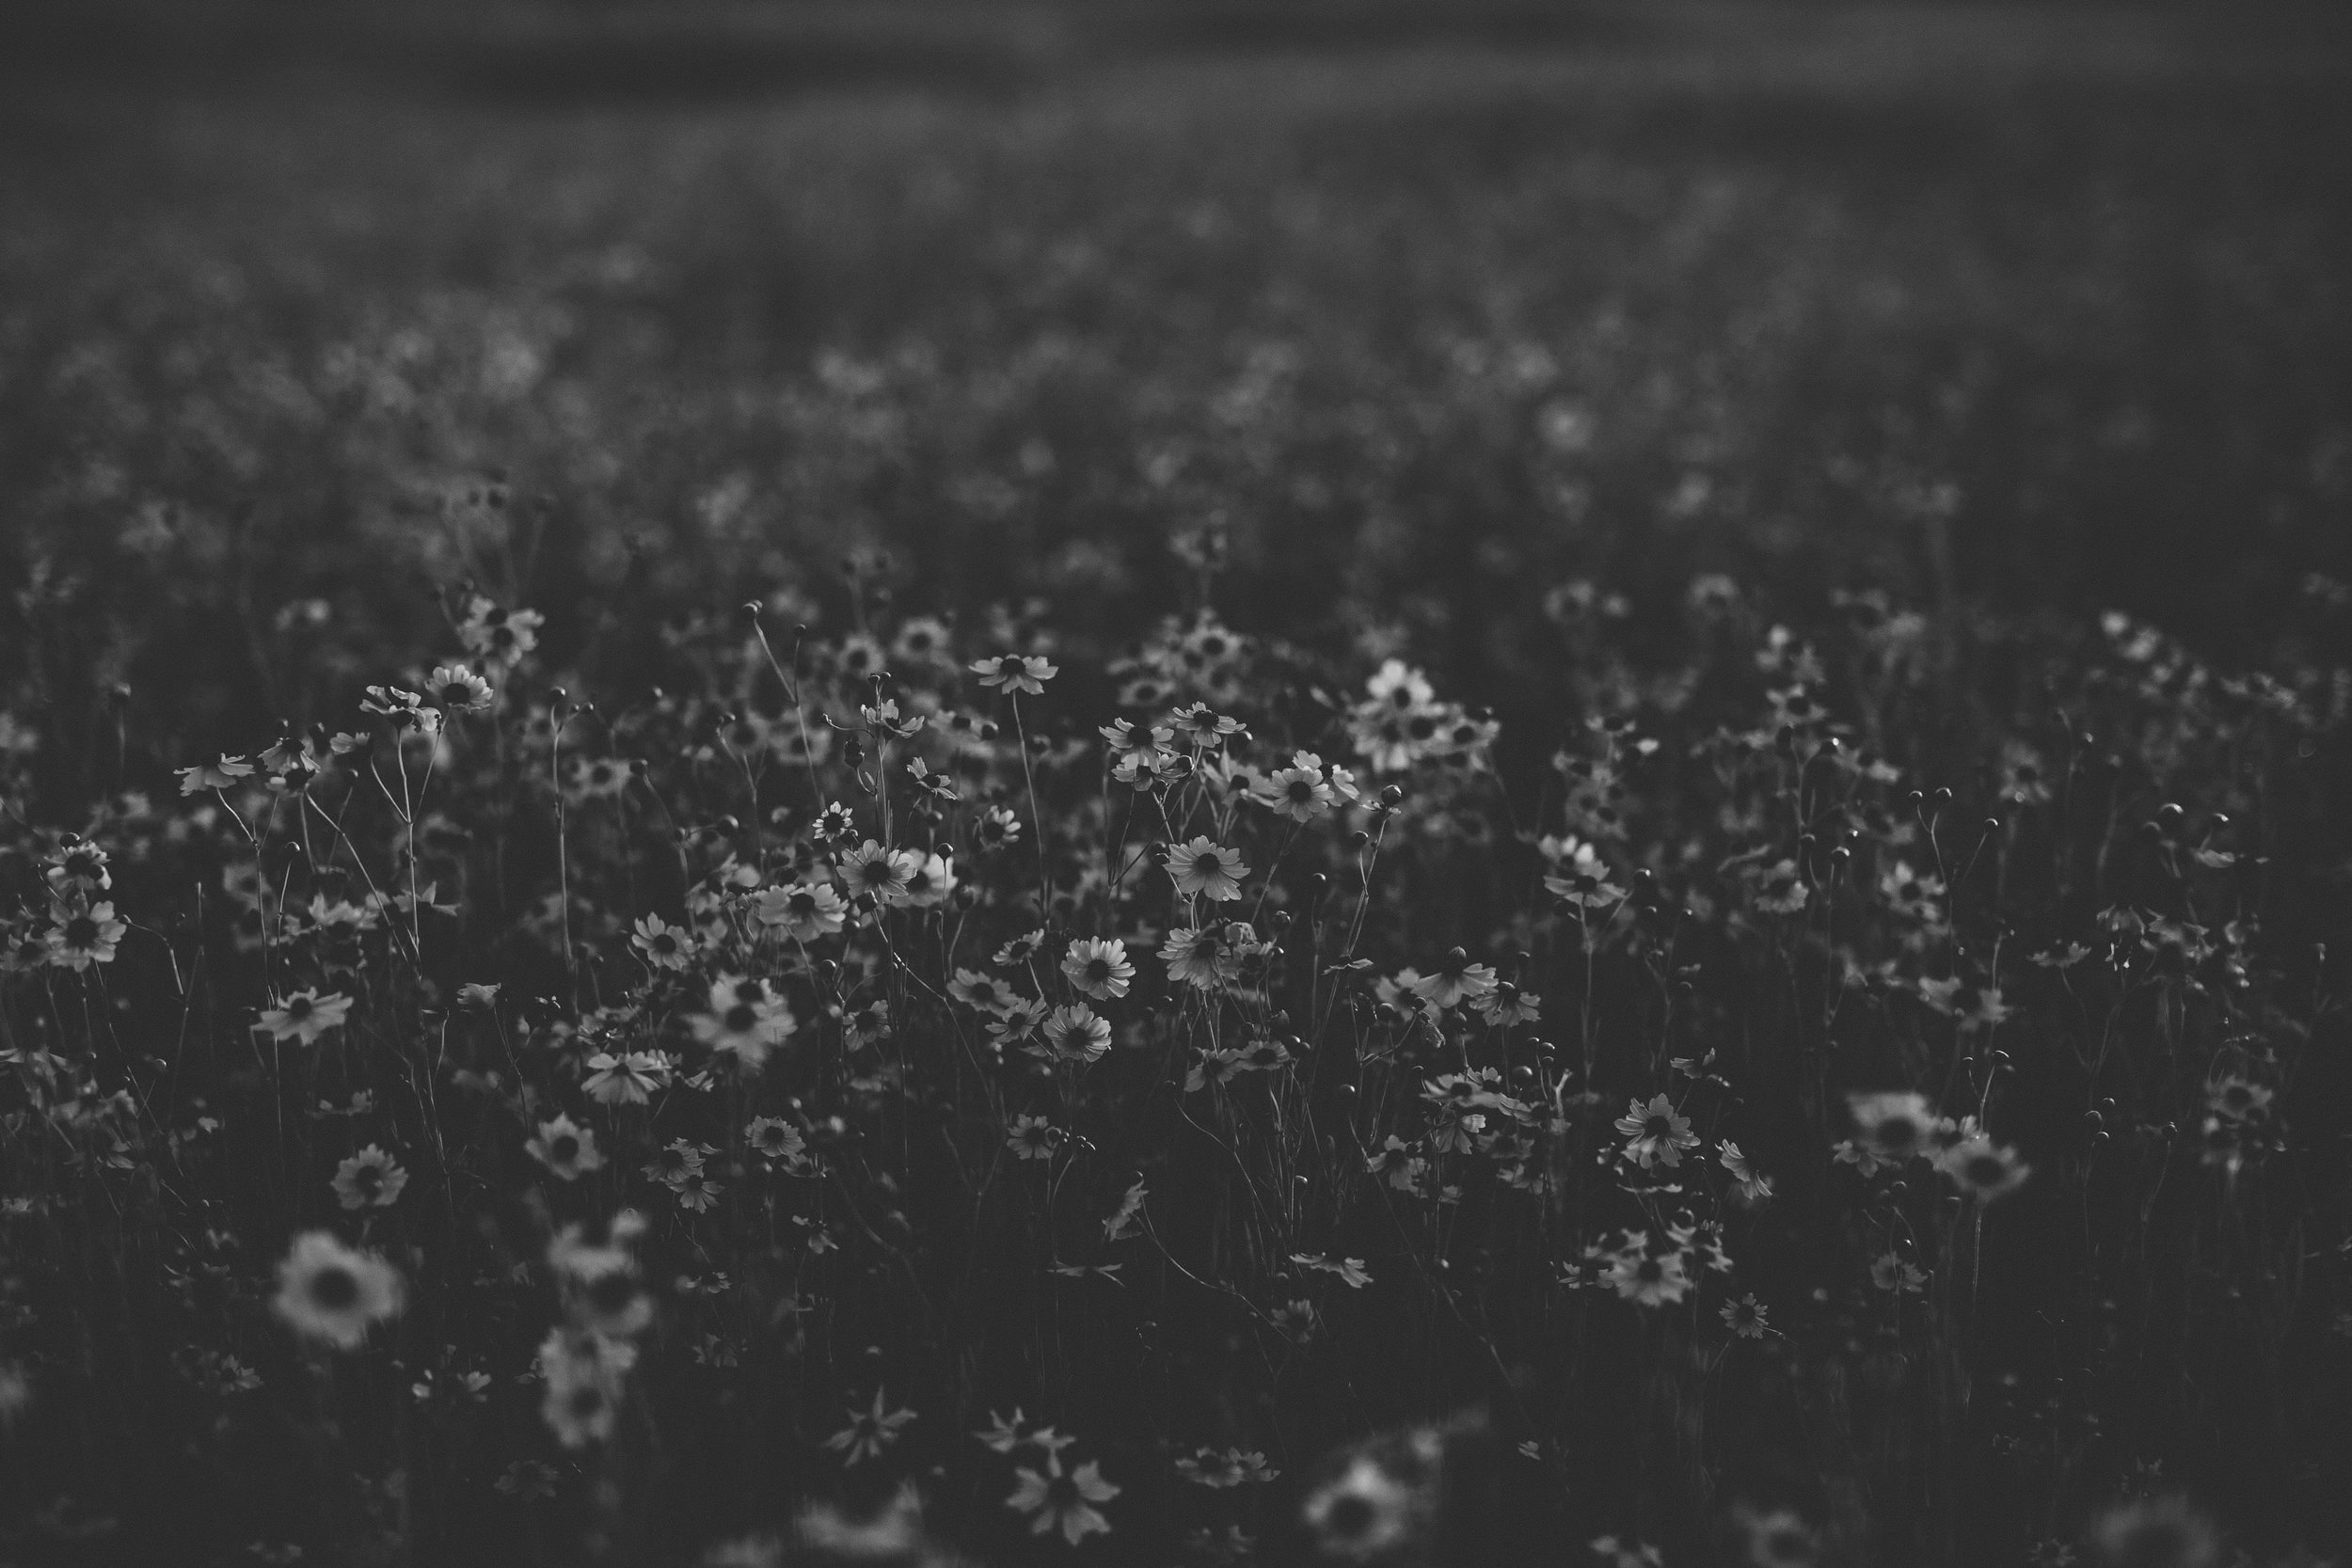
[[370, 1179], [331, 1294]]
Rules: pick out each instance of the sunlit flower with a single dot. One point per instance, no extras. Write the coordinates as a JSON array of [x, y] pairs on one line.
[[1098, 967], [1204, 726], [1371, 1510], [1297, 792], [1196, 956], [870, 1432], [1205, 869], [806, 910], [1746, 1318], [501, 636], [745, 1018], [584, 1371], [1065, 1502], [1015, 673], [1982, 1168], [835, 823], [1033, 1137], [1022, 1021], [878, 873], [1656, 1135], [1647, 1278], [930, 880], [664, 945], [981, 992], [569, 1151], [1076, 1033], [213, 775], [81, 935], [1751, 1187], [458, 690], [772, 1139], [1894, 1126], [625, 1078], [77, 866], [328, 1291], [305, 1016], [1454, 979], [370, 1179], [1020, 950]]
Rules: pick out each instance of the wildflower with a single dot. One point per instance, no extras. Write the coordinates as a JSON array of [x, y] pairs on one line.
[[328, 1292], [1077, 1035], [368, 1179], [1397, 685], [930, 880], [81, 935], [1376, 1511], [664, 945], [695, 1189], [305, 1016], [745, 1018], [1894, 1126], [627, 1077], [1033, 1137], [458, 690], [569, 1151], [1752, 1188], [1203, 870], [77, 865], [1982, 1169], [584, 1371], [1298, 792], [981, 992], [1020, 950], [1651, 1281], [1656, 1135], [1196, 955], [833, 824], [600, 778], [1065, 1502], [877, 873], [996, 828], [1746, 1318], [1455, 978], [1627, 1554], [1098, 968], [679, 1154], [1506, 1005], [1021, 1022], [772, 1139], [2238, 1099], [859, 657], [213, 775], [1003, 1435], [497, 634], [921, 640], [806, 911], [1015, 673], [1204, 726], [870, 1432]]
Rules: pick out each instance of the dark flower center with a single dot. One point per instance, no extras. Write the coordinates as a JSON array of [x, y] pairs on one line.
[[1302, 790], [298, 1009], [801, 905], [665, 945], [457, 694], [1098, 969], [1986, 1170], [565, 1148], [81, 931], [1350, 1518], [367, 1178], [1657, 1127], [741, 1017], [1898, 1132], [586, 1402], [335, 1288], [612, 1292]]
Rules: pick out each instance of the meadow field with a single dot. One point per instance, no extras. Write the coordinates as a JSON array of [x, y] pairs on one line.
[[1372, 784]]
